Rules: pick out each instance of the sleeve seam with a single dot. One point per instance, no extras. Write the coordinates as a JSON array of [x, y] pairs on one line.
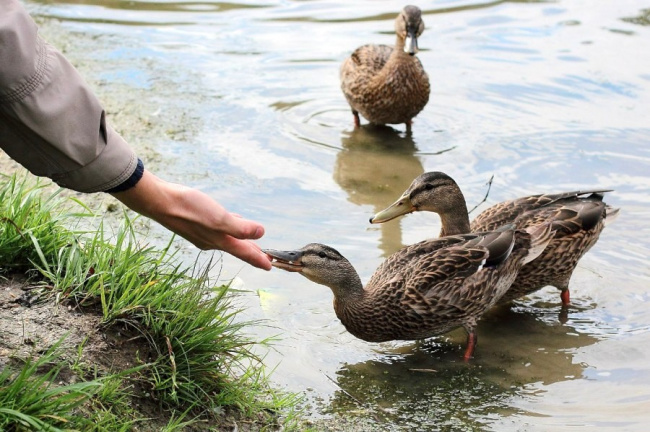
[[33, 82], [119, 179]]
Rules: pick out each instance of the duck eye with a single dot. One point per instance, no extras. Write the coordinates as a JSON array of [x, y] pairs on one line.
[[428, 186], [322, 254]]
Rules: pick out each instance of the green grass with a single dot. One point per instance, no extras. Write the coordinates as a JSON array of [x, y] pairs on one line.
[[26, 217], [199, 362], [30, 399], [33, 398]]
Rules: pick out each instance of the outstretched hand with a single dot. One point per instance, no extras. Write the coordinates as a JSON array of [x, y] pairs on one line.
[[196, 217]]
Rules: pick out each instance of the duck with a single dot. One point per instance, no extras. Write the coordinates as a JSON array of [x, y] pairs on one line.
[[577, 219], [388, 85], [423, 290]]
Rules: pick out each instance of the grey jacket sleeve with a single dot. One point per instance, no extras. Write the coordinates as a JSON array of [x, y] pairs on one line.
[[50, 120]]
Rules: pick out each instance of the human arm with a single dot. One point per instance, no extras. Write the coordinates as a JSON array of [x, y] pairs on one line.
[[52, 123]]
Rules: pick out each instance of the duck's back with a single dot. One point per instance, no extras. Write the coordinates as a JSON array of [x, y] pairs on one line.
[[570, 212]]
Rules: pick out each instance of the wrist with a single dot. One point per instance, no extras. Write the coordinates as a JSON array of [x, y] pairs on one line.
[[148, 196]]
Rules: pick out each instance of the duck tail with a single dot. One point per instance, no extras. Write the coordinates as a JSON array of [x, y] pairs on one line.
[[611, 214], [540, 236]]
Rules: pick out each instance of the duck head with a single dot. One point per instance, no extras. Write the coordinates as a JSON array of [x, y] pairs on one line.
[[319, 263], [409, 26]]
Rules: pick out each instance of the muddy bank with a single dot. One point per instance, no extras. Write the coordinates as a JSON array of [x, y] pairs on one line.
[[32, 324]]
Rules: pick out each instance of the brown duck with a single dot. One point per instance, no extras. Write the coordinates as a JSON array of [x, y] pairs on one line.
[[577, 218], [388, 85], [422, 290]]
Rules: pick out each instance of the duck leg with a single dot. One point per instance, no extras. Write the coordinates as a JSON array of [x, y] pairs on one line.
[[566, 297], [472, 340], [357, 120], [562, 283]]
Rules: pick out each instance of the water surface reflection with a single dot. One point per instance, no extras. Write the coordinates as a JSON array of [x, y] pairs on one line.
[[545, 96], [426, 385]]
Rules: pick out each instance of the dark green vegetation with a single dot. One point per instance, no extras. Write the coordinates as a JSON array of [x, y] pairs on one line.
[[162, 351]]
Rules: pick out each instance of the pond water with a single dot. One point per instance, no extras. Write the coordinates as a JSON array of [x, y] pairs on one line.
[[547, 96]]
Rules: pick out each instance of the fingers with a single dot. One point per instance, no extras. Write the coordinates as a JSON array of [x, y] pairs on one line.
[[247, 251]]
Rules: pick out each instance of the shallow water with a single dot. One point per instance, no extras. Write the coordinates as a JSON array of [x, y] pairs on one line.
[[545, 96]]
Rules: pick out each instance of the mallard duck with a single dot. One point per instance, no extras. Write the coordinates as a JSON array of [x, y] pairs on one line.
[[576, 217], [422, 290], [388, 85]]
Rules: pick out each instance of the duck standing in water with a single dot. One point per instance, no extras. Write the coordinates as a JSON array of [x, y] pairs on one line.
[[388, 85], [577, 218], [422, 290]]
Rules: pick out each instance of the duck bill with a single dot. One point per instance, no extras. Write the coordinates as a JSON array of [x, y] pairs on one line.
[[399, 208], [286, 260], [411, 43]]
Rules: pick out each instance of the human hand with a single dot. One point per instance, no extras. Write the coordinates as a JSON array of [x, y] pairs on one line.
[[196, 217]]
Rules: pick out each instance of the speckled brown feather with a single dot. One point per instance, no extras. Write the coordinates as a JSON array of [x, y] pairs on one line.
[[424, 289], [385, 84], [577, 219]]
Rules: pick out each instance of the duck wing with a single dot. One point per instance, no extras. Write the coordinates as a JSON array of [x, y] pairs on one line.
[[428, 277], [569, 211], [412, 256], [371, 58]]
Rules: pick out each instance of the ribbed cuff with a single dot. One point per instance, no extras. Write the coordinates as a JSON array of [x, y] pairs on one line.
[[131, 181]]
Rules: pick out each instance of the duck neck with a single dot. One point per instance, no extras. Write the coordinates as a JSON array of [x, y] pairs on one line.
[[398, 50], [348, 293], [352, 290], [397, 65], [455, 221], [399, 45]]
